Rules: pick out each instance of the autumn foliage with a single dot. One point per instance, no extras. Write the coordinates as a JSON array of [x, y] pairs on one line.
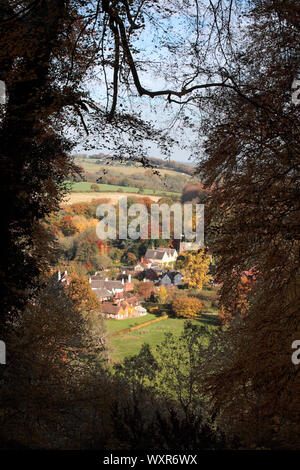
[[80, 292], [195, 268], [235, 301], [187, 307], [252, 157], [145, 289]]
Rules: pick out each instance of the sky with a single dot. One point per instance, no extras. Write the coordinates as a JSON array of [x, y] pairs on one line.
[[173, 68]]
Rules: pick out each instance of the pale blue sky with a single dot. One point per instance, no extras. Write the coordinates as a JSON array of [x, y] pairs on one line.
[[180, 31]]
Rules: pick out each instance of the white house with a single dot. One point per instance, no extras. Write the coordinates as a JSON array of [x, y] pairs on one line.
[[162, 256], [140, 311]]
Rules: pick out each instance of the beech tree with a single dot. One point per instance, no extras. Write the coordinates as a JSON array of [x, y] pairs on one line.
[[252, 159]]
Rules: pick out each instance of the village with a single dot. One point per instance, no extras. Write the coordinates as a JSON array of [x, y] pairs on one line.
[[117, 296]]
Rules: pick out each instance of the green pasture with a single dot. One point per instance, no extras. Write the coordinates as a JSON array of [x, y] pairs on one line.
[[130, 343], [86, 186]]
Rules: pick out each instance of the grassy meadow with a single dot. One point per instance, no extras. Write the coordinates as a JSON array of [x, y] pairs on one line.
[[130, 343], [86, 186]]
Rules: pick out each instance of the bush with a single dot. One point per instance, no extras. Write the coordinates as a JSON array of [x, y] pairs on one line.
[[145, 289], [95, 187], [187, 307]]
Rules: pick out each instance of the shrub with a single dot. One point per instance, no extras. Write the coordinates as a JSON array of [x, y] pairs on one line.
[[95, 187], [145, 289], [187, 307]]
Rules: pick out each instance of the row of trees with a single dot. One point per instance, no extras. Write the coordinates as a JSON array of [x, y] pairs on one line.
[[147, 179]]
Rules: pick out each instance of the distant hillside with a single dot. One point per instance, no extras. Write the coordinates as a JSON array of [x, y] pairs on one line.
[[172, 164], [102, 158], [170, 176]]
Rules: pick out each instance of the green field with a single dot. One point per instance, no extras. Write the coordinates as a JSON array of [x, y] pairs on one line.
[[85, 186], [116, 325], [130, 343]]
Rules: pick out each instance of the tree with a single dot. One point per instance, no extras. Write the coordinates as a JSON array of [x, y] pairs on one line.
[[103, 261], [80, 292], [87, 252], [72, 267], [162, 294], [180, 364], [82, 223], [238, 288], [34, 158], [195, 268], [145, 289], [88, 248], [188, 307], [192, 192], [252, 158], [140, 368], [67, 226], [45, 374], [129, 257], [175, 416], [87, 304], [179, 262]]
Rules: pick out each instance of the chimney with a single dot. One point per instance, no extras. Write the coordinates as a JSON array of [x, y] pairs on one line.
[[59, 275]]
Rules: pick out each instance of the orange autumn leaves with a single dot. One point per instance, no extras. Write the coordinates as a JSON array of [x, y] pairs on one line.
[[71, 225], [82, 295], [187, 307]]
